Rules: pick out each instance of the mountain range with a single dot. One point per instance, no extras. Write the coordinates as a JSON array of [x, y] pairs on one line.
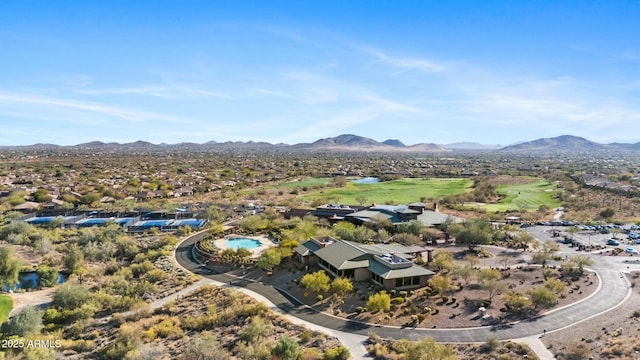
[[350, 142]]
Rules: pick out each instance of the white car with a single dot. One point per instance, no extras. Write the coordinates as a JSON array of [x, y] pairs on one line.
[[631, 250]]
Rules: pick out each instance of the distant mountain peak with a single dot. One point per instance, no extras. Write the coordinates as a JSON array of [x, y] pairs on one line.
[[394, 142], [559, 143]]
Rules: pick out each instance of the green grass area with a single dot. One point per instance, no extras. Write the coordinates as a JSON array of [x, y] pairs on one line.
[[525, 196], [6, 304], [308, 182], [401, 191]]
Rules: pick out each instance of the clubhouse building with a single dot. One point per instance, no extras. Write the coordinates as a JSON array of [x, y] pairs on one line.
[[389, 265]]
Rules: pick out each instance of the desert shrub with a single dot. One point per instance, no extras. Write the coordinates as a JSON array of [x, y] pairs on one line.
[[306, 336], [541, 297], [287, 349], [379, 301], [70, 295], [317, 281], [577, 351], [490, 344], [337, 353], [257, 328], [378, 351], [155, 275], [254, 350], [311, 354], [142, 268], [168, 328], [397, 300], [27, 321]]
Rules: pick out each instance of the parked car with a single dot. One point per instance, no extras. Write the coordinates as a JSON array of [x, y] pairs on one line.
[[613, 242], [631, 250], [633, 236]]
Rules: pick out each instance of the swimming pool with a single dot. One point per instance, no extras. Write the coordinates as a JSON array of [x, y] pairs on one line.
[[246, 243]]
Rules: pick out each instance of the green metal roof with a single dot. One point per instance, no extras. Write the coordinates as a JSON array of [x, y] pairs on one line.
[[307, 248], [433, 218], [342, 255], [387, 273]]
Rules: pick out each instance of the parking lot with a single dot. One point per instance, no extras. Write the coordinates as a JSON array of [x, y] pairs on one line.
[[592, 238]]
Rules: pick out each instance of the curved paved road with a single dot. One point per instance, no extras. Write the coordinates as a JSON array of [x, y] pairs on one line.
[[614, 290]]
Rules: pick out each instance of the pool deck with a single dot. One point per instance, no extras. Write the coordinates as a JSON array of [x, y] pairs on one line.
[[264, 241]]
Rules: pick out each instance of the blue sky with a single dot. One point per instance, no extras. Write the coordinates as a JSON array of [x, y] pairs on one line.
[[295, 71]]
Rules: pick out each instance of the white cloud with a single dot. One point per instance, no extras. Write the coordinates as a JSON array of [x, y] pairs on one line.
[[16, 102], [406, 63], [173, 91]]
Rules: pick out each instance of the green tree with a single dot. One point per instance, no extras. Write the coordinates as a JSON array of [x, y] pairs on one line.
[[27, 321], [269, 259], [91, 198], [361, 199], [41, 195], [341, 286], [524, 240], [489, 274], [581, 261], [490, 281], [317, 281], [556, 285], [287, 349], [9, 267], [73, 258], [465, 272], [476, 232], [441, 283], [516, 302], [70, 296], [379, 301], [607, 213], [254, 224], [442, 260], [541, 297], [47, 276], [413, 227]]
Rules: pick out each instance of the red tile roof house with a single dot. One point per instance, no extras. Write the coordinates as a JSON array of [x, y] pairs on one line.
[[389, 266]]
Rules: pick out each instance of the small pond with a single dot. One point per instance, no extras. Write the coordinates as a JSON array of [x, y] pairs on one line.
[[30, 280], [366, 180]]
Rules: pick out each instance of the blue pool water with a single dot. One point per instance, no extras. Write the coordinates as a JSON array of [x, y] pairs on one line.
[[235, 243], [366, 180]]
